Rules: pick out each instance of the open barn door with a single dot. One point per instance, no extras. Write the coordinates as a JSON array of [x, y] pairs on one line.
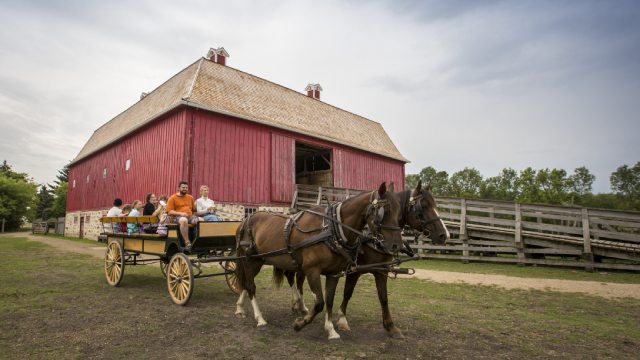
[[313, 165]]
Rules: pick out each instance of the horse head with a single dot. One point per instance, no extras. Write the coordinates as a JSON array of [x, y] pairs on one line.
[[423, 215], [382, 218]]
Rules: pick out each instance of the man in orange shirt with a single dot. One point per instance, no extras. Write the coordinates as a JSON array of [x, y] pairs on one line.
[[182, 207]]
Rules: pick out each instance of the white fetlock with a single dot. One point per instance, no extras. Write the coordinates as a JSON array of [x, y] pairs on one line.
[[257, 313], [342, 322], [328, 327], [240, 305]]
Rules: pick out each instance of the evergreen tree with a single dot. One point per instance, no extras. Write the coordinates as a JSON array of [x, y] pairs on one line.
[[44, 200]]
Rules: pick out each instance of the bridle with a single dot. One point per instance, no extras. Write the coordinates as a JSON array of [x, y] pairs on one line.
[[414, 206], [376, 206]]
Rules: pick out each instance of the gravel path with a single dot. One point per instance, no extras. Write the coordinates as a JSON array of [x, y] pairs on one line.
[[607, 290]]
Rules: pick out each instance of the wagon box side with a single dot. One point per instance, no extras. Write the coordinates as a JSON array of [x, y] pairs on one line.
[[216, 235]]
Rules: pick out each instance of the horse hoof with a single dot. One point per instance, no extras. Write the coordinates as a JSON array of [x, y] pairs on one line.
[[344, 327], [336, 340], [397, 336], [298, 324], [262, 327], [241, 315]]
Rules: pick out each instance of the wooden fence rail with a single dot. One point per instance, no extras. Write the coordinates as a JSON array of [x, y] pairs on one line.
[[520, 233]]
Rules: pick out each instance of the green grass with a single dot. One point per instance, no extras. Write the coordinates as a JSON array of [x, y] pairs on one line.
[[526, 271], [86, 241], [58, 306]]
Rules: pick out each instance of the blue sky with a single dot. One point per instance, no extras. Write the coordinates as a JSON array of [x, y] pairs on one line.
[[484, 84]]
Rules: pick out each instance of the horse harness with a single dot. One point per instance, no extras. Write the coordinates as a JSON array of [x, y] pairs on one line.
[[332, 233], [414, 206]]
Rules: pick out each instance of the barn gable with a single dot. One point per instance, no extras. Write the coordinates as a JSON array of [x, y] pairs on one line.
[[218, 88]]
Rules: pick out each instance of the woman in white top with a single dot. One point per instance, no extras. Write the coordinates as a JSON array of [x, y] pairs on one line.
[[205, 207]]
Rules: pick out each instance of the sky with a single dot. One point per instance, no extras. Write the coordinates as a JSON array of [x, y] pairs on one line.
[[457, 83]]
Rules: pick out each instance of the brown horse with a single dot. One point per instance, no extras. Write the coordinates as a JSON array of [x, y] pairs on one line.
[[263, 233], [420, 212]]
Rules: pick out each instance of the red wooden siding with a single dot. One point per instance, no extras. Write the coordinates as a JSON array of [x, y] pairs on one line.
[[157, 158], [360, 170], [232, 157], [282, 168]]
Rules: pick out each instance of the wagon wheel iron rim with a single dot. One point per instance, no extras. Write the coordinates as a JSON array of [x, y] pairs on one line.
[[180, 279], [114, 263], [231, 278]]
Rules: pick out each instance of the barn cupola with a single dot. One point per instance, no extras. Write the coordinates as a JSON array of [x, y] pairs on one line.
[[313, 90], [218, 55]]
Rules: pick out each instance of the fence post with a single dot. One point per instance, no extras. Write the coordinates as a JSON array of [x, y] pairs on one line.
[[463, 231], [319, 195], [518, 235], [587, 255], [347, 194]]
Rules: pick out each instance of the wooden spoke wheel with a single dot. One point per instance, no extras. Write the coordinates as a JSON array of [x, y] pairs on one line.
[[180, 279], [231, 278], [114, 262], [163, 267]]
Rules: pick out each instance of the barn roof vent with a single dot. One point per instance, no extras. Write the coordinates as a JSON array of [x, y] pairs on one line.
[[143, 95], [218, 55], [313, 90]]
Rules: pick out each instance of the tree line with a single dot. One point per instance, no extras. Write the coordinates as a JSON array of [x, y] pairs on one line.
[[542, 186], [23, 200]]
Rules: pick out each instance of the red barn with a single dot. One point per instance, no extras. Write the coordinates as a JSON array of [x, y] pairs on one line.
[[248, 139]]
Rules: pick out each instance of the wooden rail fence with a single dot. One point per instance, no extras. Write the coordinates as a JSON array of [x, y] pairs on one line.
[[520, 233]]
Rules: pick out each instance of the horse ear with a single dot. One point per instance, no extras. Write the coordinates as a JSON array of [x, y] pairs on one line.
[[391, 188], [416, 192], [383, 189], [429, 187]]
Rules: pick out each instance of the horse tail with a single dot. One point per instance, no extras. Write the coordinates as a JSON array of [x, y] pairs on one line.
[[241, 276], [278, 277]]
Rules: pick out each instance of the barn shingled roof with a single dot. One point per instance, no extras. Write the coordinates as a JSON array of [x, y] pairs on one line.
[[223, 89]]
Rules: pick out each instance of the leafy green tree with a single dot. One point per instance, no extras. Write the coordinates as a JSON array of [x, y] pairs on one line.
[[465, 183], [553, 184], [44, 200], [411, 180], [59, 206], [529, 188], [581, 181], [625, 182], [17, 197]]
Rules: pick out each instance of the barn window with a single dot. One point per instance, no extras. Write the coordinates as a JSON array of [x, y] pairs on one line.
[[87, 179], [104, 173], [74, 183], [249, 210], [128, 164], [87, 218], [75, 220]]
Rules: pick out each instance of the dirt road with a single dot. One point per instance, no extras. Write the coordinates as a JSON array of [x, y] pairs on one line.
[[606, 290]]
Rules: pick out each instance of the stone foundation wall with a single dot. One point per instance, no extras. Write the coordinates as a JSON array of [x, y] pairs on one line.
[[93, 228]]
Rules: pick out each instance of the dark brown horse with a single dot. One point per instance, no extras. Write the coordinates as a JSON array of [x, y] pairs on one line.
[[420, 212], [263, 233]]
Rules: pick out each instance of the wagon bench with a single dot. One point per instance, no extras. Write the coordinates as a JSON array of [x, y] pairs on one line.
[[211, 242]]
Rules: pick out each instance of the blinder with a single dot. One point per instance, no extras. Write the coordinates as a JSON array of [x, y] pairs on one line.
[[415, 206]]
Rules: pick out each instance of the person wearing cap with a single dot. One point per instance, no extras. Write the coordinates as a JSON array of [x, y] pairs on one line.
[[116, 210]]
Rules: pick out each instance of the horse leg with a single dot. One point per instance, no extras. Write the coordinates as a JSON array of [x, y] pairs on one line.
[[302, 308], [240, 305], [349, 286], [316, 288], [330, 289], [252, 268], [387, 322]]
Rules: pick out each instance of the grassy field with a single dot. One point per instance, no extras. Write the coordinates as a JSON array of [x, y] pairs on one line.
[[58, 305]]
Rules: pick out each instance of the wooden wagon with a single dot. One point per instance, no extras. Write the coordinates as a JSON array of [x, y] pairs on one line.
[[211, 242]]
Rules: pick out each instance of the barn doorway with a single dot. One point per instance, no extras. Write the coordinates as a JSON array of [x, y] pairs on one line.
[[313, 165]]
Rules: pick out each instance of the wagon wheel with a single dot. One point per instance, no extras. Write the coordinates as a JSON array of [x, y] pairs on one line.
[[114, 263], [231, 278], [180, 279], [163, 268]]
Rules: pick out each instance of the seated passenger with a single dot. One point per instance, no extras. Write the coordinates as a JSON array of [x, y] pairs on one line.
[[205, 206], [182, 207], [126, 210], [151, 208], [163, 219], [116, 210], [133, 227]]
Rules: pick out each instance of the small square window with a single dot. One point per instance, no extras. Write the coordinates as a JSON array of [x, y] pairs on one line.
[[104, 173], [87, 179], [75, 220], [74, 183], [128, 164], [87, 218], [249, 211]]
